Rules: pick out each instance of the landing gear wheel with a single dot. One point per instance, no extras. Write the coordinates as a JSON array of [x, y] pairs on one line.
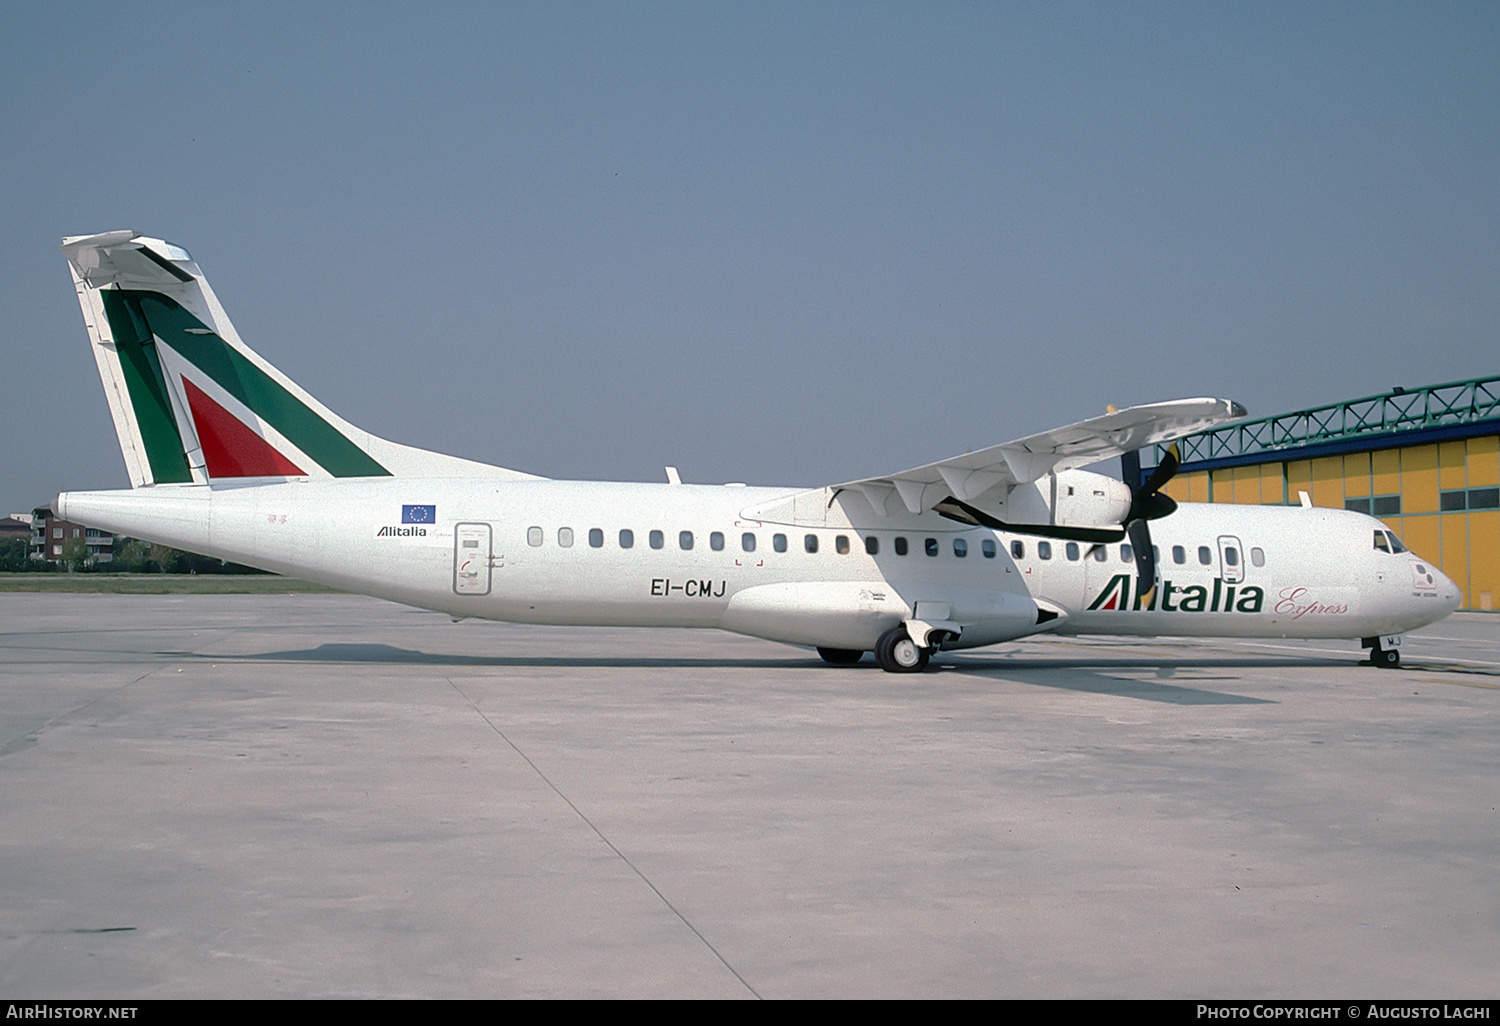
[[1385, 658], [840, 656], [897, 653]]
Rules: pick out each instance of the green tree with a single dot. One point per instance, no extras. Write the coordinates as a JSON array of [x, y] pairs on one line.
[[74, 555]]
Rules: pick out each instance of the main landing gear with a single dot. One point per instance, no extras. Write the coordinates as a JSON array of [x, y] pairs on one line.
[[897, 653]]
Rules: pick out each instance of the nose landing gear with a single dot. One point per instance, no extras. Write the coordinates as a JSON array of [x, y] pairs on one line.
[[1385, 658]]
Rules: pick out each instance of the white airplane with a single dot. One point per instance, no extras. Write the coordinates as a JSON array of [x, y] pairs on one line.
[[230, 458]]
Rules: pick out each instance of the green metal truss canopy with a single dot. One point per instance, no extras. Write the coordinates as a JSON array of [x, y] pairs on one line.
[[1398, 417]]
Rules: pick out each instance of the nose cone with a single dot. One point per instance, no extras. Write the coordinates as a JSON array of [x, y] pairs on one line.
[[1448, 592]]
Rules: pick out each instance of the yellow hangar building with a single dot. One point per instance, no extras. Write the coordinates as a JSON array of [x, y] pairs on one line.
[[1426, 461]]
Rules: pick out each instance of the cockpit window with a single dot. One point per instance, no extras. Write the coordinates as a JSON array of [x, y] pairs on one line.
[[1381, 543], [1396, 545]]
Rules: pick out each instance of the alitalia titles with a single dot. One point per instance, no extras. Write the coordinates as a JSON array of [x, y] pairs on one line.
[[1225, 597], [392, 531]]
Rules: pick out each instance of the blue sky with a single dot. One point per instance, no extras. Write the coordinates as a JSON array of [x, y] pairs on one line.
[[776, 243]]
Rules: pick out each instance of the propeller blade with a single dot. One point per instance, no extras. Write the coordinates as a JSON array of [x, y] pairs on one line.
[[1148, 503], [1145, 562]]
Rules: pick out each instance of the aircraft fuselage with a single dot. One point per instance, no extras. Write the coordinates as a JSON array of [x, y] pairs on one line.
[[754, 561]]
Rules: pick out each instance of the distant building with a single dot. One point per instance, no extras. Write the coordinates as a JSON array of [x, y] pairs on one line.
[[49, 535], [1426, 461], [17, 525]]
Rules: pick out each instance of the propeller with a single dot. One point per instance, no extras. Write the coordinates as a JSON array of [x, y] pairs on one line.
[[1147, 503]]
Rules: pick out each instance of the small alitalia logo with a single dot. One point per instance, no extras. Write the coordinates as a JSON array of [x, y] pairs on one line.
[[411, 517], [1195, 598]]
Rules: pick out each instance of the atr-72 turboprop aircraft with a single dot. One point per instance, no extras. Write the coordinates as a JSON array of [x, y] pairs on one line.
[[229, 458]]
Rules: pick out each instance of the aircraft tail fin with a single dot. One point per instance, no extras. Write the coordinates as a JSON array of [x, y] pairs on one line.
[[192, 404]]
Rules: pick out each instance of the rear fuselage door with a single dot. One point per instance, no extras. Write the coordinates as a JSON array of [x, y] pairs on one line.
[[471, 559]]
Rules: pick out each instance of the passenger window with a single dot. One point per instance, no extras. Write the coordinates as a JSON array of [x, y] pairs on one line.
[[747, 542], [685, 540], [1179, 554], [841, 544], [1017, 549], [1101, 554], [657, 539], [930, 546], [1258, 556], [1205, 555], [533, 536], [1126, 553], [716, 541], [1073, 551], [596, 538], [987, 546], [565, 537], [1231, 556], [778, 542], [1043, 550], [872, 545], [810, 543], [960, 548], [900, 546], [627, 538]]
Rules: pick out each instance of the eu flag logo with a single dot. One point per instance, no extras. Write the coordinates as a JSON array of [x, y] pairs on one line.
[[418, 514]]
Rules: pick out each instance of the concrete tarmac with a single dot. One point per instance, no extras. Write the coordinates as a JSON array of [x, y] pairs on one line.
[[324, 795]]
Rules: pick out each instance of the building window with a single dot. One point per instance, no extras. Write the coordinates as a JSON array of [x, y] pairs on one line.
[[1386, 506], [1473, 498]]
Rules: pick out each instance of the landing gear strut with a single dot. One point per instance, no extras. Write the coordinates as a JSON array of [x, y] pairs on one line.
[[897, 653]]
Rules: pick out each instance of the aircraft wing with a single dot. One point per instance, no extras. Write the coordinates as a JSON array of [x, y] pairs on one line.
[[971, 475]]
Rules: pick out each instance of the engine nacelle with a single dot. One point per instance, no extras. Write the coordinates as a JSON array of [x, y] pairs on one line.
[[1072, 498]]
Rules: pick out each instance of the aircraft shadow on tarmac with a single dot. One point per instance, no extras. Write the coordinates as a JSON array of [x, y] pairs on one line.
[[1081, 675]]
